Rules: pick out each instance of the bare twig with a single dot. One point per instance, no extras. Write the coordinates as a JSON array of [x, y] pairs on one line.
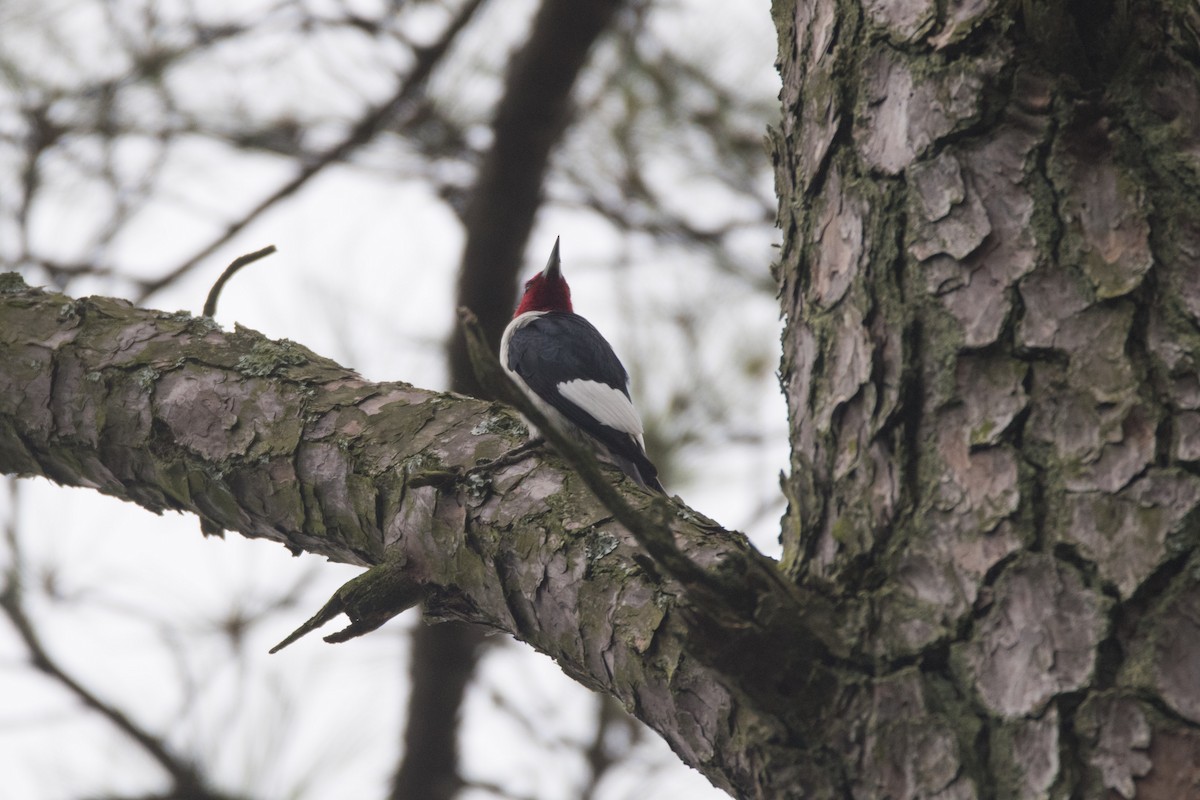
[[210, 304]]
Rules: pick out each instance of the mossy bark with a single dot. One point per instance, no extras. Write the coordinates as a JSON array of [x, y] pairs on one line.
[[991, 278], [990, 585], [268, 439]]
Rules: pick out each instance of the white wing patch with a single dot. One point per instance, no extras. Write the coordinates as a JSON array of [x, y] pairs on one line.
[[609, 406]]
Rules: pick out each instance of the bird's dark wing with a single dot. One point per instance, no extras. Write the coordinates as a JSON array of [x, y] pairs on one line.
[[569, 365]]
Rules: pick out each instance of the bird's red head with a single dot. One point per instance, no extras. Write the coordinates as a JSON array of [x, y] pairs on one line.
[[546, 291]]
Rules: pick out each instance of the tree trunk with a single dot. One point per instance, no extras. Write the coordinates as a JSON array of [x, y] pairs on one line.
[[991, 278]]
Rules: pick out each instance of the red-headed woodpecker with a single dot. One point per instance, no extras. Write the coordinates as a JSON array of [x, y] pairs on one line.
[[573, 376]]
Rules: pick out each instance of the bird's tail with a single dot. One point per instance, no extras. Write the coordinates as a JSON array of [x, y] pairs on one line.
[[641, 470]]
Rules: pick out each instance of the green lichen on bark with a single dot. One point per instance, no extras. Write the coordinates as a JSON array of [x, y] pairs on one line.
[[268, 358], [12, 283]]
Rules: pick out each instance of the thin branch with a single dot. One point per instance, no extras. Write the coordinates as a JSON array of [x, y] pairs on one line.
[[210, 304]]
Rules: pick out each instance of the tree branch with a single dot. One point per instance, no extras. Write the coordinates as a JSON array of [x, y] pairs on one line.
[[214, 294], [268, 439]]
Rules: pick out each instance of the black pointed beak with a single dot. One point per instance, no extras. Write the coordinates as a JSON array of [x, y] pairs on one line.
[[554, 265]]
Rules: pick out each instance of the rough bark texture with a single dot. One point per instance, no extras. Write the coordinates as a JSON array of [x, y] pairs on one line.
[[990, 279], [993, 324], [267, 439]]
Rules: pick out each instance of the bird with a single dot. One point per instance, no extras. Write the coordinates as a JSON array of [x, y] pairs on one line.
[[571, 374]]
